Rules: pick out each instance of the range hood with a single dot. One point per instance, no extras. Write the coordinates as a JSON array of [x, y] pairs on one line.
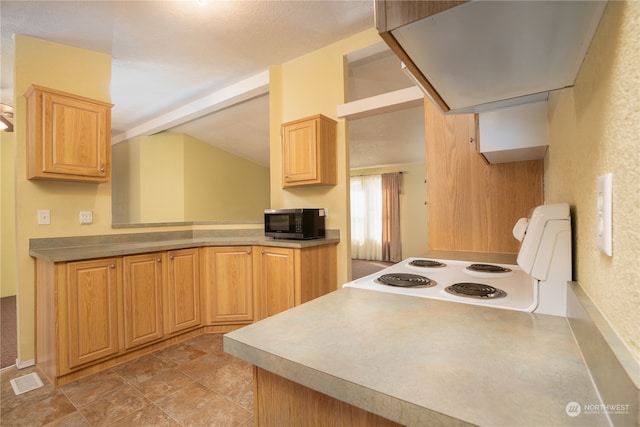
[[478, 55]]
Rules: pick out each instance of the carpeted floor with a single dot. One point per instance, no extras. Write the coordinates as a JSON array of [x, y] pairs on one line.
[[361, 267], [8, 332]]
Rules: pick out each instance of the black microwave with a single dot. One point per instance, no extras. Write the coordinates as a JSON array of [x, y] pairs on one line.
[[300, 224]]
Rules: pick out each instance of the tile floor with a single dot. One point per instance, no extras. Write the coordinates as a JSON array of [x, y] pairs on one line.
[[193, 383]]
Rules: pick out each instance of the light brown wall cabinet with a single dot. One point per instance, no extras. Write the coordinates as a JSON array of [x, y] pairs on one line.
[[227, 283], [94, 314], [68, 136], [309, 152]]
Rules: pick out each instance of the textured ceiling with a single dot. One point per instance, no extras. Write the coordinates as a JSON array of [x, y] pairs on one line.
[[166, 54]]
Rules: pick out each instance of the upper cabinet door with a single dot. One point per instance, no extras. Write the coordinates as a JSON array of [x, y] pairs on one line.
[[68, 136], [309, 152]]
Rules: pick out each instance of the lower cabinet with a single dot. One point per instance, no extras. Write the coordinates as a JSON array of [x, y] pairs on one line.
[[285, 277], [143, 283], [275, 280], [227, 284], [94, 314], [183, 290], [88, 304], [91, 315]]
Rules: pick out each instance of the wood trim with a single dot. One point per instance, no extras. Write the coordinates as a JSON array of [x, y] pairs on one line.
[[316, 272], [392, 14], [472, 206], [45, 319]]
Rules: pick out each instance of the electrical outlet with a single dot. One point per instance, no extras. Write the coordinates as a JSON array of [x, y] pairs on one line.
[[604, 219], [44, 216], [86, 217]]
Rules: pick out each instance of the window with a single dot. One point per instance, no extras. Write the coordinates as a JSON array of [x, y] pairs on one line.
[[366, 217]]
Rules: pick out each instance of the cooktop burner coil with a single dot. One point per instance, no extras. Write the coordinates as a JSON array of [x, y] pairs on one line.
[[406, 280], [488, 268], [475, 290], [427, 263]]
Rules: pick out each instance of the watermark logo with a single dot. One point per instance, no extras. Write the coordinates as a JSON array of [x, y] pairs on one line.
[[573, 409]]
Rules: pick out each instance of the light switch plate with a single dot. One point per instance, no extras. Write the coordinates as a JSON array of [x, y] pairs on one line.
[[604, 226]]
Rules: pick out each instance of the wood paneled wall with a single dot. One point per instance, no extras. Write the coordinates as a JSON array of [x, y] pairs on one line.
[[471, 205]]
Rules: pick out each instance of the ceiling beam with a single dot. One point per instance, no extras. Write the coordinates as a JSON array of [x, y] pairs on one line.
[[390, 101], [239, 92]]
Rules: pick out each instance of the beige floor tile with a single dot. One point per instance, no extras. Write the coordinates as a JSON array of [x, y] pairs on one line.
[[37, 407], [209, 343], [142, 369], [163, 385], [204, 365], [189, 384], [179, 353], [150, 415], [92, 388], [115, 405]]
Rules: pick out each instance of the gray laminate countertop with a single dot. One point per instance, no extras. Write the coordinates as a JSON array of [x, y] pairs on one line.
[[77, 248], [424, 362]]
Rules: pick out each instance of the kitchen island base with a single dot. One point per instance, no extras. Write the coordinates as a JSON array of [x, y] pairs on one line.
[[280, 402]]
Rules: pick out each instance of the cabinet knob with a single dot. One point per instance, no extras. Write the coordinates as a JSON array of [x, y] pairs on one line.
[[249, 252], [112, 266], [262, 251], [170, 256], [102, 168], [471, 140], [159, 259]]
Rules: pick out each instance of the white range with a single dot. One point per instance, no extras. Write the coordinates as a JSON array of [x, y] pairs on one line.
[[538, 283]]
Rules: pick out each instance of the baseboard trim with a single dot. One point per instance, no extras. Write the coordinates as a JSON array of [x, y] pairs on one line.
[[26, 364], [615, 372]]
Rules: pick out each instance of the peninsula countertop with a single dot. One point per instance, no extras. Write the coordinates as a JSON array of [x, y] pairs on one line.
[[424, 362], [102, 246]]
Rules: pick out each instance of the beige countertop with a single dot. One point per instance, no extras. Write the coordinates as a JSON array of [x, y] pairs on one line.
[[424, 362], [89, 247]]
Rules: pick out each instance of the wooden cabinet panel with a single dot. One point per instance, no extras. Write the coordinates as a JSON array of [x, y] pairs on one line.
[[309, 152], [183, 287], [92, 315], [228, 283], [91, 310], [68, 136], [274, 280], [280, 402], [300, 151], [142, 299], [316, 272], [473, 206], [284, 277]]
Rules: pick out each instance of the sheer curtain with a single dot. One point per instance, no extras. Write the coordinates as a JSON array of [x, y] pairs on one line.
[[366, 217], [391, 244]]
